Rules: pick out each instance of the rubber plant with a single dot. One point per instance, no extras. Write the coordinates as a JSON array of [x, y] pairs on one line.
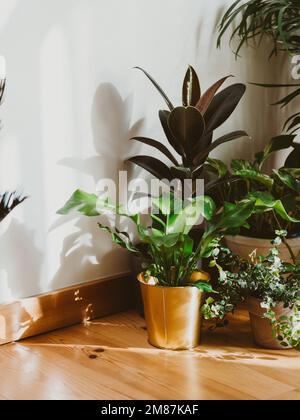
[[8, 200], [189, 128]]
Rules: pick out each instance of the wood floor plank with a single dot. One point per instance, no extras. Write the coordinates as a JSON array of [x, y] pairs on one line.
[[111, 359]]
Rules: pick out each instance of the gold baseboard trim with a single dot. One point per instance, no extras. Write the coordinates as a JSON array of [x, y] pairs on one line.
[[73, 305]]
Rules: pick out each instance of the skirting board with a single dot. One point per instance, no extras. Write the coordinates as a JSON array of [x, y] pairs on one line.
[[40, 314]]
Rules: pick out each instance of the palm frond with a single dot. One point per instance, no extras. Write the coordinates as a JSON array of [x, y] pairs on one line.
[[8, 201], [278, 20]]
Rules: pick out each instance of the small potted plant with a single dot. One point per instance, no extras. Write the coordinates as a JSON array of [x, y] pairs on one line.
[[269, 287], [172, 286], [277, 197]]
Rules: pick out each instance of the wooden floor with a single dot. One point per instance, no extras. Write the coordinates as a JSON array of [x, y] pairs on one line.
[[111, 359]]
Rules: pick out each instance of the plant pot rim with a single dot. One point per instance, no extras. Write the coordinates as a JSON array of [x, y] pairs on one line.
[[167, 287], [289, 237]]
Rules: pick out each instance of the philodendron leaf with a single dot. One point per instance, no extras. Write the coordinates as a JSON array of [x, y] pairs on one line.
[[187, 125], [191, 91], [231, 219], [153, 166], [245, 169], [160, 90], [184, 220], [117, 238], [287, 180], [223, 105], [82, 202], [217, 166], [204, 287], [159, 146], [208, 96], [266, 202]]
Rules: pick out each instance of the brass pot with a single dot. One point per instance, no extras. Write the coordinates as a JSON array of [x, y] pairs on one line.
[[173, 316]]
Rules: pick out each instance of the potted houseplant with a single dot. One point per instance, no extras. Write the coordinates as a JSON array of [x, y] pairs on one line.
[[189, 128], [8, 200], [269, 287], [277, 20], [172, 286], [277, 199]]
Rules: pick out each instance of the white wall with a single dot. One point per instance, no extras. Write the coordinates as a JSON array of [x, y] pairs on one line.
[[72, 103]]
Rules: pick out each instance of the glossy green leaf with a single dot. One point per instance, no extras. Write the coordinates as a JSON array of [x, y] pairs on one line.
[[82, 202], [265, 202], [204, 287], [245, 169], [191, 91], [287, 180], [189, 216], [217, 166]]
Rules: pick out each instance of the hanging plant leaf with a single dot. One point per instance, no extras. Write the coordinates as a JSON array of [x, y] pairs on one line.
[[157, 145], [208, 96], [153, 166], [187, 125], [164, 117], [191, 91], [223, 105], [160, 90]]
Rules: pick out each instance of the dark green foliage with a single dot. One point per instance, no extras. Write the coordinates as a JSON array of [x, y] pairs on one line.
[[189, 128], [278, 20], [8, 201]]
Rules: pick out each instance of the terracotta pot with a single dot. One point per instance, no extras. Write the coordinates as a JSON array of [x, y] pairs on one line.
[[173, 316], [261, 327], [244, 246]]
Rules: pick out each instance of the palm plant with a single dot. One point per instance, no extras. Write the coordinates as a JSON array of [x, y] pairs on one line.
[[278, 20], [189, 128], [8, 200]]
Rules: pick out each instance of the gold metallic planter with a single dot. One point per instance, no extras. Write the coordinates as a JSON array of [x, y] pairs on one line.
[[173, 316]]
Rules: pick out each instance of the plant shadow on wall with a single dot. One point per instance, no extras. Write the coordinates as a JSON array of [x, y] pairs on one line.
[[84, 254]]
